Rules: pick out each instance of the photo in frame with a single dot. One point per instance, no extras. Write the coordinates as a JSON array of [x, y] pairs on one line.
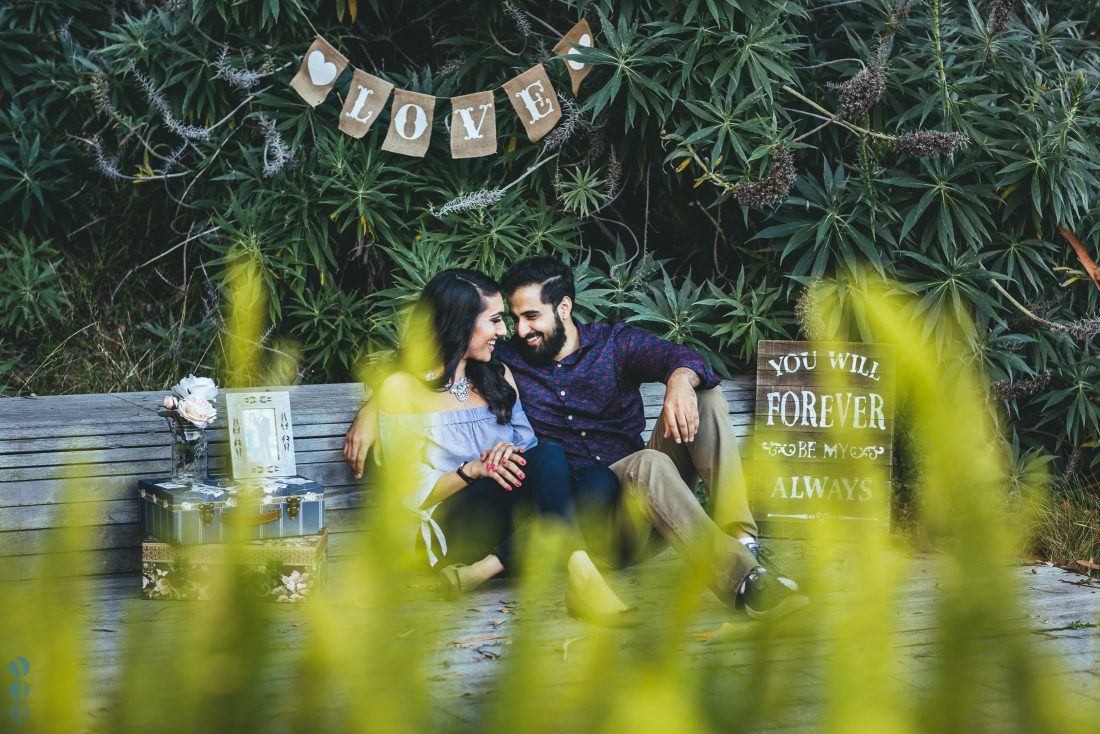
[[261, 436]]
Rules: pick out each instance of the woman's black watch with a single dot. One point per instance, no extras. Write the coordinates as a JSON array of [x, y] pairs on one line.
[[464, 475]]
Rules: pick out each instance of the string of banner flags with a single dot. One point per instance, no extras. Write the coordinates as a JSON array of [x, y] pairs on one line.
[[473, 123]]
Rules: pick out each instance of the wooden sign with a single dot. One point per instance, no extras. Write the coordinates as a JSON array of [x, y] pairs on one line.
[[823, 440]]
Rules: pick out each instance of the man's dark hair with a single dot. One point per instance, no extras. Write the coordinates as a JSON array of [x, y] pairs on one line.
[[554, 277]]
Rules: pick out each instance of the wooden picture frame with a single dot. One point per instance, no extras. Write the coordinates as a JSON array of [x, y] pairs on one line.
[[261, 435]]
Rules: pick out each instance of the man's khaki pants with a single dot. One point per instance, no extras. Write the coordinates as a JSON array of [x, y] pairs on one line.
[[657, 491]]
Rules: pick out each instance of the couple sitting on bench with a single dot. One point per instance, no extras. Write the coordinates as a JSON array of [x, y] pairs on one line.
[[550, 422]]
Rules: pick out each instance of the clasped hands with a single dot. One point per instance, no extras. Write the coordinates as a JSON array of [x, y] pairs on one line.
[[503, 463]]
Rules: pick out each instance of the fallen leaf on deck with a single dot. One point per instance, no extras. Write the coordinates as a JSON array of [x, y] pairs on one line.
[[496, 622], [565, 647], [1090, 564], [477, 638], [728, 632]]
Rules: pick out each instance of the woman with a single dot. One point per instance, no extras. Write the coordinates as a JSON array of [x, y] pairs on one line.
[[479, 467]]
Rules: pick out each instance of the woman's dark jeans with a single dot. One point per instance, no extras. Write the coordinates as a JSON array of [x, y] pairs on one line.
[[483, 517], [597, 497]]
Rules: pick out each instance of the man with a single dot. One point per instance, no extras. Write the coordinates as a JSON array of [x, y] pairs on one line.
[[579, 384]]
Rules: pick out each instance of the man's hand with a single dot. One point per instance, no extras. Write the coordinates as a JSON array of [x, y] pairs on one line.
[[681, 407], [360, 437]]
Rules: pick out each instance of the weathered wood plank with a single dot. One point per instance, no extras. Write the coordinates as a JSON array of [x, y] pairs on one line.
[[311, 397], [119, 511], [341, 515], [55, 456], [100, 489], [218, 466], [74, 564], [156, 447], [16, 434], [85, 416], [161, 450], [158, 436]]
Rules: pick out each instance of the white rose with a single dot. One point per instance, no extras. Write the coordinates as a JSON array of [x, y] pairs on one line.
[[198, 410], [203, 387]]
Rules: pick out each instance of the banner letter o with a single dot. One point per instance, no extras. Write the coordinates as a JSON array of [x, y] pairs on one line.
[[420, 121]]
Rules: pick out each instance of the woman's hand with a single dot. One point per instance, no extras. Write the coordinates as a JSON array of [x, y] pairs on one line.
[[502, 463]]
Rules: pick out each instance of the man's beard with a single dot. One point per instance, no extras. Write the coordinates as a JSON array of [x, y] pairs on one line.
[[543, 354]]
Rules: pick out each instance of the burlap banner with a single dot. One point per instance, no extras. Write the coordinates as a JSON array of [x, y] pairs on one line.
[[535, 101], [320, 67], [473, 117], [366, 98], [473, 125], [410, 123], [579, 36]]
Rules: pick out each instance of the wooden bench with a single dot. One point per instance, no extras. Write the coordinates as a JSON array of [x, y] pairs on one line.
[[75, 460]]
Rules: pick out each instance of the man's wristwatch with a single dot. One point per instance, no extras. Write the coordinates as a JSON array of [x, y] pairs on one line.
[[463, 474]]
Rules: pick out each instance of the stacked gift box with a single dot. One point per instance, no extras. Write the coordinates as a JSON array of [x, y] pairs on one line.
[[272, 530]]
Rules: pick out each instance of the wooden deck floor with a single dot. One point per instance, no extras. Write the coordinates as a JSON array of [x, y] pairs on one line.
[[760, 683]]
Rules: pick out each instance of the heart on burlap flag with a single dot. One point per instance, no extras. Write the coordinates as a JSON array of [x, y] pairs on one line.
[[579, 36], [410, 123], [535, 101], [366, 98], [473, 125], [320, 67]]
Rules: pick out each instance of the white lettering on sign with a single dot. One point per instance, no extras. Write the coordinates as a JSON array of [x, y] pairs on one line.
[[534, 103], [793, 363], [473, 132], [856, 364], [801, 449], [851, 489], [361, 100], [586, 41], [844, 451], [420, 121], [828, 410]]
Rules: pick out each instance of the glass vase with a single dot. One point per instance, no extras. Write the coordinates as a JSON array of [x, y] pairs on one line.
[[189, 458]]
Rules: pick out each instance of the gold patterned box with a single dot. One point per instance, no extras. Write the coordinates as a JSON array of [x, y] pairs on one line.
[[277, 569]]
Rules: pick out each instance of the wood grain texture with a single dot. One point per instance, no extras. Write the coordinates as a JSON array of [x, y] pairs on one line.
[[69, 467], [470, 641], [823, 434]]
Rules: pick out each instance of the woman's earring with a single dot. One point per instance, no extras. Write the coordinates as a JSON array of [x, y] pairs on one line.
[[429, 376]]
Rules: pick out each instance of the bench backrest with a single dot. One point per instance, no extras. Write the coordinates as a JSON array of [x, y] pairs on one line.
[[76, 459]]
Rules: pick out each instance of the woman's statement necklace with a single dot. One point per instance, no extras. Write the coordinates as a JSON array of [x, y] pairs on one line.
[[460, 389]]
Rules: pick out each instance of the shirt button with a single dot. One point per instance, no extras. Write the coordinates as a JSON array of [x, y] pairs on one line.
[[584, 433], [558, 365], [569, 417], [597, 458], [562, 393]]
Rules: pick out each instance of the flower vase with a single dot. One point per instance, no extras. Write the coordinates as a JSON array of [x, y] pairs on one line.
[[189, 458]]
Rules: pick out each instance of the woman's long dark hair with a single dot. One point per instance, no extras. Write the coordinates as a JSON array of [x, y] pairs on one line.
[[439, 330]]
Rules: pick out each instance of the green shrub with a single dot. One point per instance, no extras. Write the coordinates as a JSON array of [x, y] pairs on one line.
[[32, 294]]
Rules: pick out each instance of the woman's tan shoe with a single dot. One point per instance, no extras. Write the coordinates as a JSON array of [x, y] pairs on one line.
[[450, 582], [578, 608]]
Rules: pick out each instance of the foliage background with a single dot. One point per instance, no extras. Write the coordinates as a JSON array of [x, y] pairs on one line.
[[146, 146]]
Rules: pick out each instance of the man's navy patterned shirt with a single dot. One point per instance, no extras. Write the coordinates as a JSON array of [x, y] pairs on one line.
[[589, 403]]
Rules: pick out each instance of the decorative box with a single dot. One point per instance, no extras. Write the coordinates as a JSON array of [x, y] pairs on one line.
[[279, 569], [192, 513]]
